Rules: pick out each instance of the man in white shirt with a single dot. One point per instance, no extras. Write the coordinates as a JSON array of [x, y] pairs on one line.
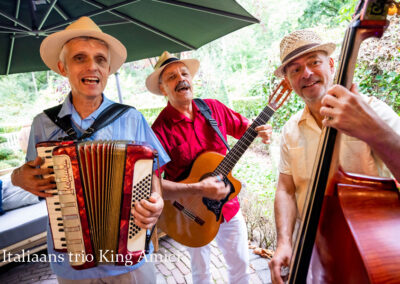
[[309, 69]]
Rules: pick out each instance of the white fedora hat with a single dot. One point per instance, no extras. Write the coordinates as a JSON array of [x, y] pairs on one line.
[[298, 43], [152, 81], [51, 46]]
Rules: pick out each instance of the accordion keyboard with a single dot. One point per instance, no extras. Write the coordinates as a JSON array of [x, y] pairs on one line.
[[53, 203], [72, 222], [141, 190]]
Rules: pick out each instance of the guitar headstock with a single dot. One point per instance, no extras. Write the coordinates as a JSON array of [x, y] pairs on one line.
[[280, 95]]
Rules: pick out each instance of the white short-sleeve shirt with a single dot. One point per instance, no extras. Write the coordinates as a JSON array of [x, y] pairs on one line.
[[299, 144]]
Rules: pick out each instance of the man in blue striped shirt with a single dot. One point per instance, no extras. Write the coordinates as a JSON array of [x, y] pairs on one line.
[[86, 56]]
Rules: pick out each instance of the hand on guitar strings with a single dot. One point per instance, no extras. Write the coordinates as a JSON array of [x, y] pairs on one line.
[[214, 187], [146, 212], [29, 177], [264, 132], [346, 111]]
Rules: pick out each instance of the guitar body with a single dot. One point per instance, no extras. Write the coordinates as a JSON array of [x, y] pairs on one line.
[[188, 220]]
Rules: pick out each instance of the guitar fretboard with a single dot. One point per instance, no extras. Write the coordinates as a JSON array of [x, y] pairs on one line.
[[241, 146]]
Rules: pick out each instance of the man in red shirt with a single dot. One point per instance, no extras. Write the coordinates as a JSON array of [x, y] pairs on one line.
[[185, 133]]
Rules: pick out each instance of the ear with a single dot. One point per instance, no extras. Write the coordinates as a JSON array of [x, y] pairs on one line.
[[332, 65], [161, 87], [62, 68]]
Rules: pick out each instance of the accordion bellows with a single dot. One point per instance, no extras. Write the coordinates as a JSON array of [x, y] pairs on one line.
[[97, 186]]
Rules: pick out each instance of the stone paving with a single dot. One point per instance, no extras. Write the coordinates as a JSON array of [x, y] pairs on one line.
[[172, 263]]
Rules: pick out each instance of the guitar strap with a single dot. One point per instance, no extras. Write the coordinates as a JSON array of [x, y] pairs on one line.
[[107, 116], [206, 112]]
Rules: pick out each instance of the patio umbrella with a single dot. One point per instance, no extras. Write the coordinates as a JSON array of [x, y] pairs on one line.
[[145, 27]]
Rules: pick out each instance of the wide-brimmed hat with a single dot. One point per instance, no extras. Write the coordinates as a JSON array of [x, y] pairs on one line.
[[298, 43], [152, 81], [51, 46]]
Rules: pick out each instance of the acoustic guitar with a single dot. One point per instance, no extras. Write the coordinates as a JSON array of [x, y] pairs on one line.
[[195, 221]]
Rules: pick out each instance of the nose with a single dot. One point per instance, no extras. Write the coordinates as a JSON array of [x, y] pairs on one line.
[[180, 77], [91, 64], [307, 72]]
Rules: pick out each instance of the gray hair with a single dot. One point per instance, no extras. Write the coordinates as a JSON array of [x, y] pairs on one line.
[[86, 38]]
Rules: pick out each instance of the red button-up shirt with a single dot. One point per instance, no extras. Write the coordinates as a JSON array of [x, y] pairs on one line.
[[185, 139]]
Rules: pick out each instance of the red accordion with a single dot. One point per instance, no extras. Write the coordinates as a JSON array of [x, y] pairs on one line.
[[98, 183]]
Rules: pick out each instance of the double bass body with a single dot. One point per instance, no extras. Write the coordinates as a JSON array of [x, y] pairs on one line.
[[359, 229]]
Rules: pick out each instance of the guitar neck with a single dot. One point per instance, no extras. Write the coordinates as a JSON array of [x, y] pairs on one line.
[[241, 146]]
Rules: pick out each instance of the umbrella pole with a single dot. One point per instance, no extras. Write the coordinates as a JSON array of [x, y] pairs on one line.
[[118, 87]]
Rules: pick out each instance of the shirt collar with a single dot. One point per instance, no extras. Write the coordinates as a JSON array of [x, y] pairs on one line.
[[69, 109], [307, 119], [305, 115], [175, 116]]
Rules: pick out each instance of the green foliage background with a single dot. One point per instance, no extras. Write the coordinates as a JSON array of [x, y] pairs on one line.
[[237, 70]]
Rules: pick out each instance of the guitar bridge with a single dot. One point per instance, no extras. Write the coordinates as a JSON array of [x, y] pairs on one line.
[[188, 214]]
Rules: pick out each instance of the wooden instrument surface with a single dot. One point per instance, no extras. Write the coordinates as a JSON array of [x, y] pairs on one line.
[[185, 229], [359, 224]]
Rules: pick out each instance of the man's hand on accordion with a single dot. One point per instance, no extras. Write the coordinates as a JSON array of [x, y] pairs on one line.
[[29, 177], [146, 212]]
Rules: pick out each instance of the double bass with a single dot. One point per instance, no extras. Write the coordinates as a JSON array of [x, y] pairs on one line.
[[351, 221]]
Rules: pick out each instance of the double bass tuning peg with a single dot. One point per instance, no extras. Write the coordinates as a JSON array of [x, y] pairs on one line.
[[394, 8]]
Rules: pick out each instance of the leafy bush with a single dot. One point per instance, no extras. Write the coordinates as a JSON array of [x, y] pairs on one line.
[[259, 217], [328, 12], [378, 71], [290, 107], [3, 139], [383, 85], [8, 129], [6, 153], [251, 106], [4, 165], [151, 114], [13, 162], [11, 159]]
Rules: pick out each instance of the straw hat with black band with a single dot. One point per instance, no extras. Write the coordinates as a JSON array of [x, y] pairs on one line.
[[152, 81], [83, 27], [299, 43]]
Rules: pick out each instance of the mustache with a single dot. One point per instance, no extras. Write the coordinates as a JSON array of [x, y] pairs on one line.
[[182, 84]]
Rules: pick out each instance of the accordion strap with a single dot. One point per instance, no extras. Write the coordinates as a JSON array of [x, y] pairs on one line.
[[106, 117], [206, 112]]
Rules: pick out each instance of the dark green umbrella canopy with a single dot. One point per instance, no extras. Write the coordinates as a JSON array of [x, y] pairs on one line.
[[145, 27]]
